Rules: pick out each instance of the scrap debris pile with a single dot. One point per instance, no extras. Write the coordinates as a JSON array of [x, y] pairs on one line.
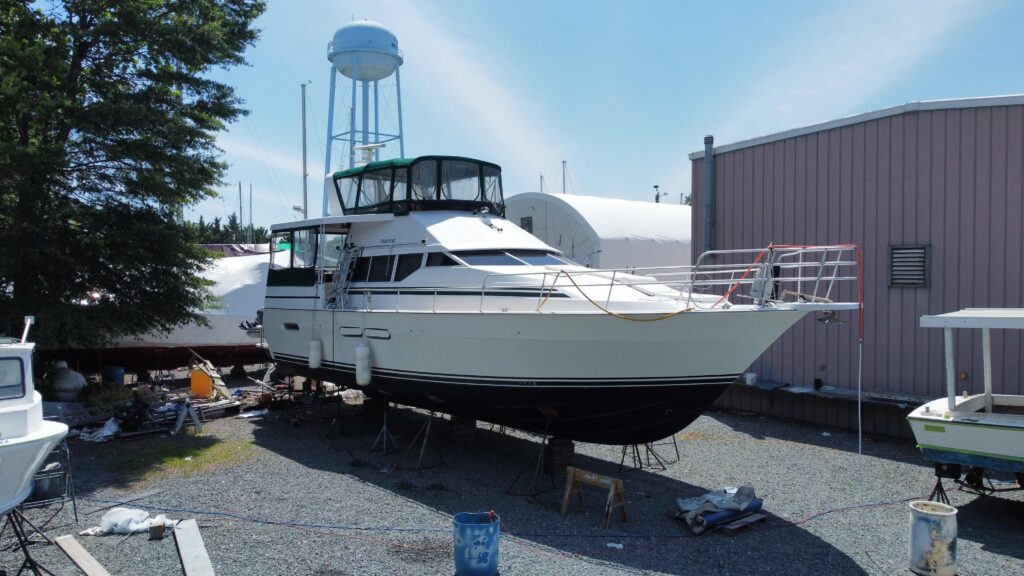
[[158, 409]]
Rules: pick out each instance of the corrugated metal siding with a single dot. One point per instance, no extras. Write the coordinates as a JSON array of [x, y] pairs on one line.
[[950, 179]]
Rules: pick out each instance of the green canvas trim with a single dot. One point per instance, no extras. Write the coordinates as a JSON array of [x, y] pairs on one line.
[[934, 428], [971, 452]]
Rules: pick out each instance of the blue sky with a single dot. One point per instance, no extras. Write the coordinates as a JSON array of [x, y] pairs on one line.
[[622, 91]]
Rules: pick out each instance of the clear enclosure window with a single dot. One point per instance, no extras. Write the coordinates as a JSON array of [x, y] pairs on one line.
[[380, 268], [303, 248], [347, 190], [333, 251], [281, 250], [424, 181], [407, 264], [487, 258], [460, 180], [12, 378], [440, 259], [375, 188], [401, 184], [538, 258], [492, 184]]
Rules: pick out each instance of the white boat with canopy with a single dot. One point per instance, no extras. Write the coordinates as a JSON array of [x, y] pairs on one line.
[[971, 433], [25, 438], [417, 288]]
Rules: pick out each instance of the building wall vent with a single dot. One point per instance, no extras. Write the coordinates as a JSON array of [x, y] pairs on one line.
[[908, 266]]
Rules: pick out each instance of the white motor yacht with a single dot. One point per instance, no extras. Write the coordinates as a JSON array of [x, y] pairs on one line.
[[25, 438], [417, 288]]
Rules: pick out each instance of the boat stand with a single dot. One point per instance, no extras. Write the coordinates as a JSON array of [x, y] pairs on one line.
[[660, 464], [17, 522], [424, 432], [939, 492], [384, 436]]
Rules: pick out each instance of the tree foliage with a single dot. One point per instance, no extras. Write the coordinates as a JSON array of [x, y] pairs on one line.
[[108, 120], [230, 233]]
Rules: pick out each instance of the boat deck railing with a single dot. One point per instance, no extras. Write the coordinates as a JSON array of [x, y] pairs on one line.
[[811, 276]]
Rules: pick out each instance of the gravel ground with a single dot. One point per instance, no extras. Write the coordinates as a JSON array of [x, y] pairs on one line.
[[347, 510]]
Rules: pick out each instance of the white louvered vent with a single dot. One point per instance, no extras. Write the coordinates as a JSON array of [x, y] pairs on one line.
[[908, 266]]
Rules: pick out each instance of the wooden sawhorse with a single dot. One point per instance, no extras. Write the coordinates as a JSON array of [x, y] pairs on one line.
[[575, 478]]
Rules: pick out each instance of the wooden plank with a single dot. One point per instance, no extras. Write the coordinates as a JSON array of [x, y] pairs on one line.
[[80, 556], [125, 500], [191, 549]]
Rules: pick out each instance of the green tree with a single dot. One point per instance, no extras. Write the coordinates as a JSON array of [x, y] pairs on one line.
[[108, 120]]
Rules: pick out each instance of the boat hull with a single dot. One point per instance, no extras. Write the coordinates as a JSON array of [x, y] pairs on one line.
[[20, 459], [587, 377], [969, 438]]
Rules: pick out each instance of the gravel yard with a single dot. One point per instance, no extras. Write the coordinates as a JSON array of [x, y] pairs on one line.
[[286, 494]]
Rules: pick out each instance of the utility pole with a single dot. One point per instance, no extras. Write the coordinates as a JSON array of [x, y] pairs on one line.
[[241, 214], [657, 195], [305, 174], [251, 231], [563, 176]]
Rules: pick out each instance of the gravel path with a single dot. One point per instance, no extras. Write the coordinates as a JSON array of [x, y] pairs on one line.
[[331, 506]]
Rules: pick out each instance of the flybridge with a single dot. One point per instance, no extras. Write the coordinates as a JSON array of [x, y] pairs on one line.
[[406, 185]]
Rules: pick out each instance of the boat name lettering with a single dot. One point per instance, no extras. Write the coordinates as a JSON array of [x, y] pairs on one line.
[[387, 241]]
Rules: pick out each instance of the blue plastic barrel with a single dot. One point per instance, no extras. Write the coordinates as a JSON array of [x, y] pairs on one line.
[[476, 543], [113, 374]]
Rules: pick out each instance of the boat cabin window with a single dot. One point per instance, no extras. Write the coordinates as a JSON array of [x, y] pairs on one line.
[[380, 268], [425, 183], [407, 264], [538, 258], [373, 268], [487, 258], [293, 261], [440, 259], [12, 378]]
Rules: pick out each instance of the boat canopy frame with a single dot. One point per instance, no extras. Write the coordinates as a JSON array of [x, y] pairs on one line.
[[985, 319], [404, 185]]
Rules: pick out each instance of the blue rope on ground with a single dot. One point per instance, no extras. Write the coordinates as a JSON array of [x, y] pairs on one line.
[[388, 529]]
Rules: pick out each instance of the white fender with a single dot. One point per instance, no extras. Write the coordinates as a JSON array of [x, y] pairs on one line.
[[315, 353], [363, 363]]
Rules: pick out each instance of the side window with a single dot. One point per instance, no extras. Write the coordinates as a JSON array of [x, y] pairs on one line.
[[347, 191], [407, 264], [375, 188], [526, 223], [424, 180], [401, 184], [440, 259], [281, 250], [380, 268], [303, 248], [12, 378], [362, 269]]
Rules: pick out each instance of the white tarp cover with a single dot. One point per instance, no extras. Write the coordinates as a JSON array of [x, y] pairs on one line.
[[239, 287], [606, 232]]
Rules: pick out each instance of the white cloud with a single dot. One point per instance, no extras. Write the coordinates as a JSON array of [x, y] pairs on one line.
[[466, 83], [834, 65], [284, 164]]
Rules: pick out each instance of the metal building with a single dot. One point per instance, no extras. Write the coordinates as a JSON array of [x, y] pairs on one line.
[[932, 192]]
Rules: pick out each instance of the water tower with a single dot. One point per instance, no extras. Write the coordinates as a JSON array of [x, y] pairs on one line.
[[366, 53]]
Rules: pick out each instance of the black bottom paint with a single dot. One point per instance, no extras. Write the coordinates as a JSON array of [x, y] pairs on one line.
[[606, 412]]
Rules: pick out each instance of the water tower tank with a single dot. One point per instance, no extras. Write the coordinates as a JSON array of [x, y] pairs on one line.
[[365, 51]]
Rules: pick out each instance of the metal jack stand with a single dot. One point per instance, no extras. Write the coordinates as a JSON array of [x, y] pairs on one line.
[[650, 449], [17, 521], [939, 493], [425, 432], [384, 436], [539, 472]]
